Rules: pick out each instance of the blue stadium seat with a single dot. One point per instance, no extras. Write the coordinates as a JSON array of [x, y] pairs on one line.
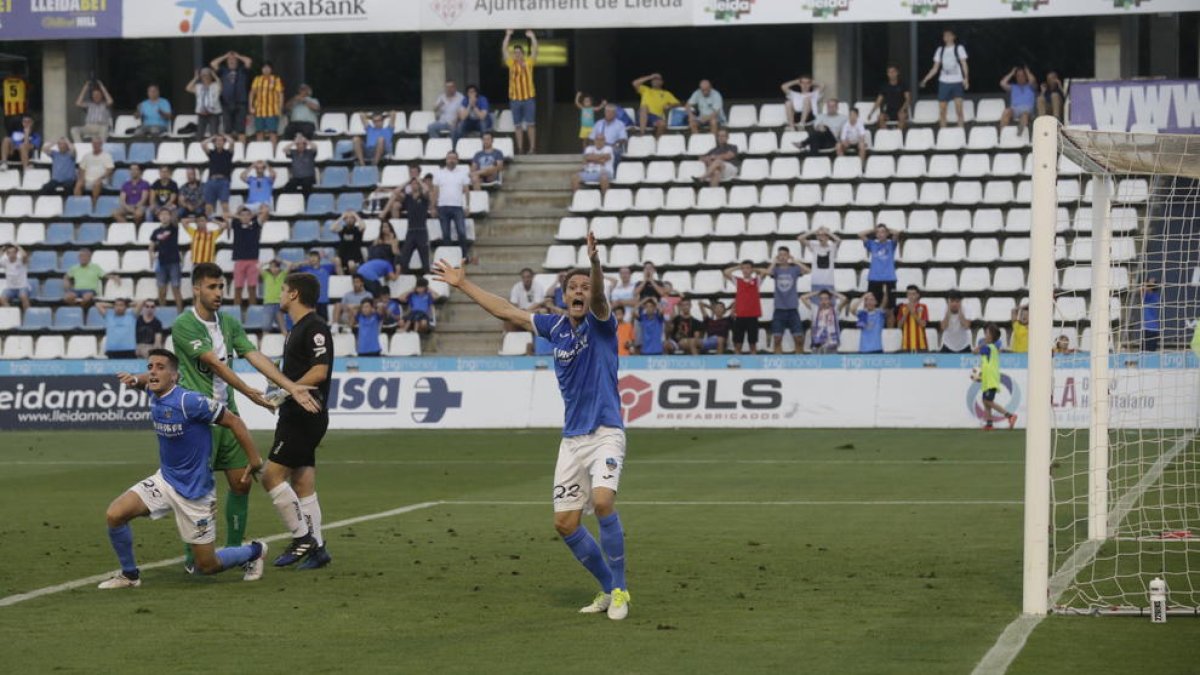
[[118, 178], [105, 206], [319, 204], [305, 231], [52, 290], [140, 153], [349, 201], [68, 318], [60, 234], [36, 318], [343, 149], [335, 177], [117, 150], [232, 310], [94, 322], [292, 254], [68, 260], [364, 177], [41, 262], [257, 318], [77, 207], [166, 316], [327, 235], [90, 234]]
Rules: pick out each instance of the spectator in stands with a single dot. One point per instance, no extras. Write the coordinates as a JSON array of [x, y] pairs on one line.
[[655, 104], [893, 101], [386, 245], [800, 95], [826, 328], [451, 190], [912, 317], [191, 196], [823, 255], [149, 330], [164, 191], [650, 329], [97, 168], [650, 287], [165, 258], [597, 166], [954, 76], [826, 130], [207, 89], [474, 116], [379, 130], [615, 134], [670, 300], [554, 302], [881, 244], [15, 263], [135, 196], [487, 166], [376, 274], [526, 294], [120, 329], [416, 205], [626, 333], [349, 230], [266, 103], [233, 69], [420, 307], [446, 108], [204, 239], [624, 292], [871, 321], [273, 274], [705, 106], [1062, 345], [854, 135], [955, 326], [247, 232], [747, 305], [303, 172], [1022, 88], [350, 303], [587, 115], [260, 186], [153, 114], [316, 266], [82, 282], [394, 206], [721, 162], [786, 273], [716, 327], [366, 322], [97, 121], [1019, 339], [686, 331], [1151, 310], [1050, 102], [521, 92], [220, 169], [24, 142], [63, 175], [303, 112]]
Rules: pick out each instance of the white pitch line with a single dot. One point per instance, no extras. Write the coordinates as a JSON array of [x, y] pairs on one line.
[[797, 502], [97, 578], [542, 462]]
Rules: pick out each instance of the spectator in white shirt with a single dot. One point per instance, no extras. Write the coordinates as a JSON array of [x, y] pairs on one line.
[[956, 327], [526, 294], [597, 165], [624, 292], [616, 136], [705, 106], [98, 119], [451, 189], [954, 76], [96, 168], [15, 263], [854, 134], [823, 254], [446, 110], [207, 89]]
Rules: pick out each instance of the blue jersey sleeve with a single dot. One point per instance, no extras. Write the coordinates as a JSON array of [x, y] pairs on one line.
[[201, 409], [543, 324], [607, 326], [862, 318]]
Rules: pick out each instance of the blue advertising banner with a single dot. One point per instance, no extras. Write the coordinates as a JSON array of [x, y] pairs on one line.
[[1165, 106], [59, 19]]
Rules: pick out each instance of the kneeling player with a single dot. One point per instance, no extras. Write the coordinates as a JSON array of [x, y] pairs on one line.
[[183, 484]]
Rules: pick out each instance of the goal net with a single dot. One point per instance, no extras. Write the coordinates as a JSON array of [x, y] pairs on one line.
[[1114, 297]]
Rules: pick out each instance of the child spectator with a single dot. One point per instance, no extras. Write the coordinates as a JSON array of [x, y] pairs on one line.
[[1020, 330], [1151, 308], [273, 275], [650, 329], [956, 327], [786, 273], [824, 252], [826, 329], [687, 332], [912, 318], [716, 327], [587, 115], [420, 307], [747, 305], [871, 320], [1062, 345], [164, 192], [625, 333], [881, 244], [366, 323], [260, 185], [989, 377], [149, 329], [670, 300], [853, 136]]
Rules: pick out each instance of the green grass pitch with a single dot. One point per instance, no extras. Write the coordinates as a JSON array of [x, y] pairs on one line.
[[783, 551]]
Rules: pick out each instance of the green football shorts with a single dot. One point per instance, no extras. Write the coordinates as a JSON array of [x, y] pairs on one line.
[[227, 454]]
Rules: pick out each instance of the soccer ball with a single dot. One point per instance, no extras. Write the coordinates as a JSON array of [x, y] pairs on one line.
[[975, 376]]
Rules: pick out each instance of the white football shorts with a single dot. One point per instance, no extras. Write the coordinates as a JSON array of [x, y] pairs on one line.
[[587, 462], [195, 518]]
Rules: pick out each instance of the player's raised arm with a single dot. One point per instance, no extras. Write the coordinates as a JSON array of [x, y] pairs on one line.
[[493, 304], [598, 302], [297, 390], [223, 371]]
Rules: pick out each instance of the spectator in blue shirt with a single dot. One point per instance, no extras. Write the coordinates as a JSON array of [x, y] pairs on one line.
[[614, 130], [24, 141], [487, 164], [379, 133], [366, 325], [120, 329], [62, 168], [650, 329], [154, 114], [1151, 308], [871, 320], [881, 244], [322, 271], [260, 183], [375, 273], [420, 307], [475, 115]]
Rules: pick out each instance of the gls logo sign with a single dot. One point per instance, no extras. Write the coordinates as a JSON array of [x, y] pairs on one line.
[[381, 396], [687, 398]]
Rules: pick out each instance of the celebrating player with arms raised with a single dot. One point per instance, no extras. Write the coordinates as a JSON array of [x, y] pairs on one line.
[[592, 451]]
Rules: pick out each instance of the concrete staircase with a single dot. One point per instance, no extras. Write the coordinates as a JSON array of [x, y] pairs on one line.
[[520, 225]]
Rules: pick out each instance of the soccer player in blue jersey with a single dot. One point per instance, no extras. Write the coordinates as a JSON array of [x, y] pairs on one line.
[[592, 451], [183, 484]]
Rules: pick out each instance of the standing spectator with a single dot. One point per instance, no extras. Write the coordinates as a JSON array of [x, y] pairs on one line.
[[893, 100], [63, 175], [204, 239], [15, 263], [597, 166], [366, 323], [823, 255], [247, 231], [420, 307], [881, 244], [149, 330], [826, 130], [97, 168], [1022, 97], [153, 114], [451, 189], [446, 108], [487, 165], [220, 169], [624, 292], [191, 196], [164, 191], [273, 275], [989, 376], [266, 103], [721, 162], [655, 104], [854, 135], [25, 142], [349, 230], [83, 281], [803, 101], [120, 329], [650, 287], [615, 134], [417, 203], [135, 195], [303, 171], [207, 90], [473, 116], [912, 317], [954, 76], [650, 329], [315, 266], [303, 112], [379, 131], [1020, 330], [871, 321], [1151, 310], [826, 328], [350, 303], [786, 273], [234, 71], [716, 327], [747, 305], [520, 89], [587, 115], [955, 326], [394, 207], [376, 273], [1050, 102], [97, 121], [260, 186], [626, 334], [687, 332], [705, 106], [165, 258], [526, 294]]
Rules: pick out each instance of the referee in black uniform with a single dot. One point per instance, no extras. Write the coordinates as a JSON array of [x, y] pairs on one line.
[[307, 360]]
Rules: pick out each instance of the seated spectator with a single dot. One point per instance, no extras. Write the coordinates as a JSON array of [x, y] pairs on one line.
[[487, 165], [349, 304], [24, 142], [881, 244], [15, 263], [893, 101], [207, 89], [826, 328], [233, 69], [624, 292], [247, 229], [266, 103], [220, 170], [1151, 310], [587, 115], [445, 109], [721, 162], [191, 196], [420, 307], [527, 294], [303, 111], [149, 329], [954, 76], [912, 317], [826, 130], [801, 95], [303, 173], [376, 273], [597, 166], [1022, 89], [614, 131], [705, 106], [120, 329], [854, 135], [97, 168], [135, 196], [626, 334], [349, 230], [786, 272], [716, 327], [273, 275], [166, 259], [687, 332], [260, 186], [63, 175], [97, 122], [379, 132], [823, 257], [367, 322], [1019, 338], [1050, 102], [650, 329], [474, 116], [955, 326], [164, 191], [153, 114], [871, 321], [386, 246], [451, 191], [554, 303], [747, 305], [322, 270], [655, 103], [83, 281]]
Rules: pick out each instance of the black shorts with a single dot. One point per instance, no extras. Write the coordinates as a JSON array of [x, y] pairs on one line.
[[296, 439], [990, 394], [884, 292], [745, 328]]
